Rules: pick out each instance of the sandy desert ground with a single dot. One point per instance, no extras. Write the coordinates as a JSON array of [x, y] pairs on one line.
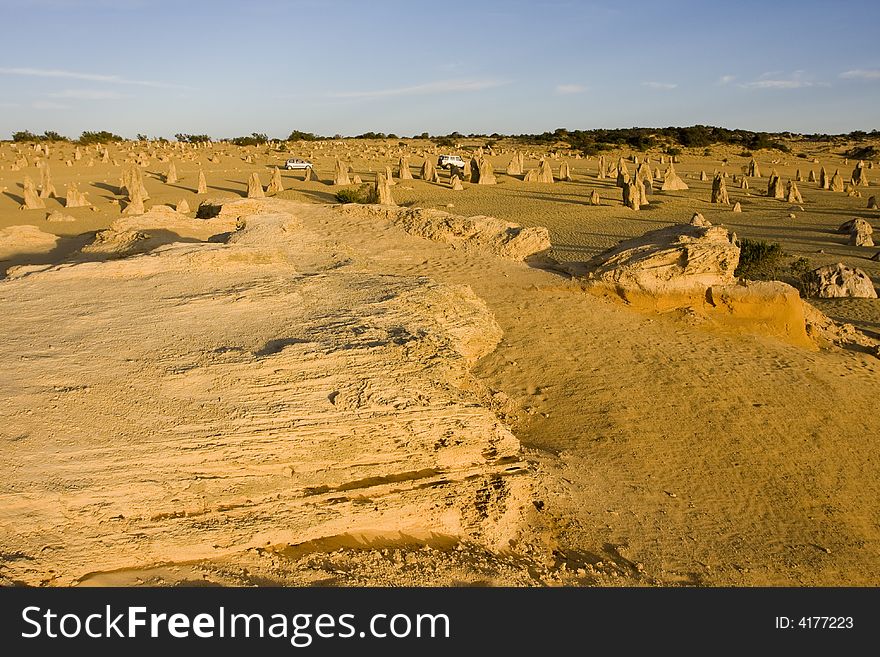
[[297, 392]]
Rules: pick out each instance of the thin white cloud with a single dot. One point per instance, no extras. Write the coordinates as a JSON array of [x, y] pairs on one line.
[[88, 94], [75, 75], [451, 66], [725, 80], [440, 87], [861, 74], [778, 84], [778, 80], [570, 89], [661, 86], [48, 105]]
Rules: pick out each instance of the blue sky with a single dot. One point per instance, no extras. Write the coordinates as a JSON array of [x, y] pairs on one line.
[[348, 66]]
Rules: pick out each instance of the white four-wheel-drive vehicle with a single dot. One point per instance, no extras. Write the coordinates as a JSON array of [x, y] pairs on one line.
[[449, 161], [296, 163]]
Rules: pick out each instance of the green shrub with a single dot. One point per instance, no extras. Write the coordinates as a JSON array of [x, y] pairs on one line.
[[757, 256], [24, 135], [362, 194], [191, 139], [863, 153], [765, 261], [298, 135], [27, 135], [100, 137], [256, 139]]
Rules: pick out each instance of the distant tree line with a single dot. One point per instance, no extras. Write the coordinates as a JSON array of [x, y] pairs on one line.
[[100, 137], [27, 135], [589, 142], [192, 139], [298, 135], [50, 135]]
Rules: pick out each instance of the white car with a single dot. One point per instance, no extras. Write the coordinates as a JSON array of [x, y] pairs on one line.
[[449, 161], [296, 163]]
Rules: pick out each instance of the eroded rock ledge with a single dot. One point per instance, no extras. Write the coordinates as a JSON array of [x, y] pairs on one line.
[[205, 398], [691, 267], [488, 234]]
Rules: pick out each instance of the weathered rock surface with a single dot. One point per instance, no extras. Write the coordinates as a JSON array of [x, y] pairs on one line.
[[24, 240], [672, 182], [860, 232], [160, 226], [834, 281], [219, 399], [494, 236], [666, 267], [765, 307]]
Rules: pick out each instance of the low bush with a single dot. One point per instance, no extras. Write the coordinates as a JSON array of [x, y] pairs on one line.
[[298, 135], [192, 139], [863, 153], [362, 194], [766, 261], [100, 137], [256, 139], [27, 135]]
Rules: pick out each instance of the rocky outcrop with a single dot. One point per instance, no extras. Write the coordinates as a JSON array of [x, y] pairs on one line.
[[487, 234], [840, 280], [766, 307], [859, 230], [482, 172], [403, 172], [340, 173], [255, 187], [32, 200], [381, 192], [227, 401], [160, 226], [672, 182], [564, 172], [75, 198], [719, 190], [429, 171], [24, 241], [666, 268], [545, 172], [515, 166], [276, 185], [690, 267]]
